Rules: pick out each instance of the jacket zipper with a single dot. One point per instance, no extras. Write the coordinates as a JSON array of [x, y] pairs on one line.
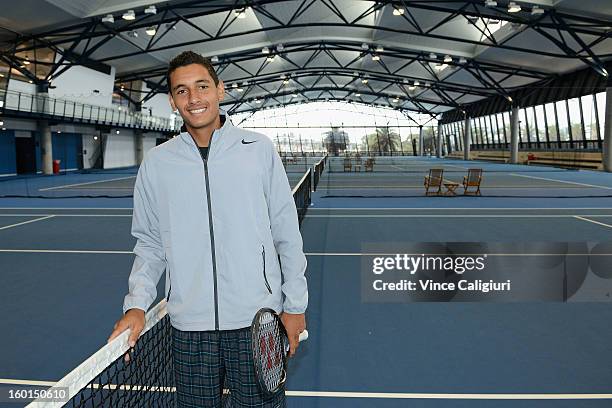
[[263, 257], [169, 278], [212, 233]]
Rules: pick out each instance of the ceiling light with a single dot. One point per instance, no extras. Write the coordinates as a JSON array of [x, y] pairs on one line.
[[295, 95], [245, 83], [398, 11], [150, 10], [26, 62], [513, 7], [280, 48], [265, 50], [416, 83], [30, 81], [1, 104], [537, 10], [462, 60], [364, 81], [491, 3], [375, 57], [240, 13], [258, 100], [95, 137], [286, 81], [472, 19], [214, 59], [270, 58], [493, 21], [433, 56], [1, 123], [118, 132], [108, 19], [358, 94], [440, 66], [395, 100], [283, 76], [379, 48], [411, 88], [3, 128], [235, 85], [448, 58], [240, 89], [133, 34], [129, 15], [364, 46], [1, 75], [59, 131], [151, 31]]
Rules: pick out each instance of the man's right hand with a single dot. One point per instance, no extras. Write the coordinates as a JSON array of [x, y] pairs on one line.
[[133, 319]]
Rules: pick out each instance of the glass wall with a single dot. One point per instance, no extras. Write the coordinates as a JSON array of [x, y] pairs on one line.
[[568, 124]]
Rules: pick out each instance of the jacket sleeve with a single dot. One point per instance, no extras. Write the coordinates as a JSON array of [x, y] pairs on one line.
[[149, 263], [287, 237]]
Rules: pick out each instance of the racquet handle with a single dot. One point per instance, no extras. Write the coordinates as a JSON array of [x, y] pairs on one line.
[[304, 335]]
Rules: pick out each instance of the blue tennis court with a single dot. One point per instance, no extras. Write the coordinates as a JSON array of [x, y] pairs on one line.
[[66, 263]]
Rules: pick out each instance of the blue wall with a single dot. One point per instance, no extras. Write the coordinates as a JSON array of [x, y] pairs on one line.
[[67, 147], [8, 155]]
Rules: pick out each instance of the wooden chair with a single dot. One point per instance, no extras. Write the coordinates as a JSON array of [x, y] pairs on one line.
[[473, 179], [369, 165], [347, 164], [434, 180]]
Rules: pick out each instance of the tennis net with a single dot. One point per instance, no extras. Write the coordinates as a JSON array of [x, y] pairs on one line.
[[318, 171], [106, 380], [302, 194]]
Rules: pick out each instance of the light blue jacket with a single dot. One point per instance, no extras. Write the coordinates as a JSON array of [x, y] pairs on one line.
[[217, 226]]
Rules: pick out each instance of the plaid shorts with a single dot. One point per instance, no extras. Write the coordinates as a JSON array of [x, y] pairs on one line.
[[206, 362]]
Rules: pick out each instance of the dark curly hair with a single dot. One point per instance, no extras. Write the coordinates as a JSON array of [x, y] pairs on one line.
[[187, 58]]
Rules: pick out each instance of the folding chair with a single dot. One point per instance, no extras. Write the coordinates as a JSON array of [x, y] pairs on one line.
[[347, 164], [434, 180], [473, 179], [369, 165]]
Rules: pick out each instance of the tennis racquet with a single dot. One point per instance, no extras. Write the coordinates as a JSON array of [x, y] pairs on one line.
[[270, 349]]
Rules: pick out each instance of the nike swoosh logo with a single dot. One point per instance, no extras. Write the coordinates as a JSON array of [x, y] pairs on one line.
[[245, 142]]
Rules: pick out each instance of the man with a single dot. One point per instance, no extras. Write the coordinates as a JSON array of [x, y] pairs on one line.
[[213, 208]]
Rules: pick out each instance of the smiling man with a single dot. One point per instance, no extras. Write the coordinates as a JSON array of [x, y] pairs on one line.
[[213, 208]]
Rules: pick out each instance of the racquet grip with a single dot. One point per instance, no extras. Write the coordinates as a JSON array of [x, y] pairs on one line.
[[304, 335]]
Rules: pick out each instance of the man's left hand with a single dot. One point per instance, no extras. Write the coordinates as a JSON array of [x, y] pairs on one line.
[[294, 324]]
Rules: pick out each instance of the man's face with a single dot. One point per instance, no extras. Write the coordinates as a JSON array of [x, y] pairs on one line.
[[195, 95]]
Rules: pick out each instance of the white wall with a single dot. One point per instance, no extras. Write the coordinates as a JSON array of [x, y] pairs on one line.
[[120, 149], [78, 84], [20, 86], [159, 103]]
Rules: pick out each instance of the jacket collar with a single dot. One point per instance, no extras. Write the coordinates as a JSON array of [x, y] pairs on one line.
[[219, 139]]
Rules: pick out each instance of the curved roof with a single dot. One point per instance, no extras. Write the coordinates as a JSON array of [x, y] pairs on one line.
[[412, 55]]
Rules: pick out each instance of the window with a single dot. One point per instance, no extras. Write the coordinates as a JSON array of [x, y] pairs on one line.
[[531, 125], [551, 120], [563, 123], [575, 120], [588, 112], [601, 112], [540, 122], [522, 126]]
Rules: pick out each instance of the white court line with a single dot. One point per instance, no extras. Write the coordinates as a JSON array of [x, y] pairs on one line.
[[347, 254], [66, 208], [340, 208], [27, 222], [66, 215], [452, 215], [593, 221], [561, 181], [457, 208], [83, 184], [64, 251], [389, 395]]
